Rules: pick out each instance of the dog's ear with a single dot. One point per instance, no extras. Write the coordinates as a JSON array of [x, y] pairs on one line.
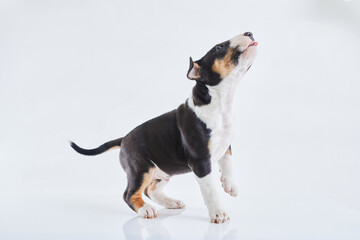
[[194, 72]]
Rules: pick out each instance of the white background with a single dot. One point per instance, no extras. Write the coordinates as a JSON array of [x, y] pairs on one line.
[[90, 71]]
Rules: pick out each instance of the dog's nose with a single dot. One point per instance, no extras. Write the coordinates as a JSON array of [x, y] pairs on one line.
[[250, 35]]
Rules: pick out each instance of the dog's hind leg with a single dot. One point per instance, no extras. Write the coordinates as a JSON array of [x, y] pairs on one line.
[[137, 182], [155, 193]]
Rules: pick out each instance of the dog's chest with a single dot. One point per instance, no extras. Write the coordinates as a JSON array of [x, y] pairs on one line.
[[219, 119], [221, 136], [219, 115]]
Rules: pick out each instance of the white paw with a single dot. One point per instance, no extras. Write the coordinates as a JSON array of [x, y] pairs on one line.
[[147, 211], [229, 186], [173, 203], [219, 216]]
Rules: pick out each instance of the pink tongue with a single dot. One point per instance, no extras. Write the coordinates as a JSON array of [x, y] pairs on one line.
[[254, 44]]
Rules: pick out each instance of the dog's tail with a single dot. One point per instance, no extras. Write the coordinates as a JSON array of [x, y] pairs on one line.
[[105, 147]]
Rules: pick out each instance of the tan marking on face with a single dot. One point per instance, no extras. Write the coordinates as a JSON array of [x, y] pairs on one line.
[[225, 65], [136, 199], [209, 146]]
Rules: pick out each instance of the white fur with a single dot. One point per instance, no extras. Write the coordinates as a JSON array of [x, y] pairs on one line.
[[160, 174], [211, 199], [226, 177], [240, 41], [219, 115], [157, 194], [147, 211], [159, 197]]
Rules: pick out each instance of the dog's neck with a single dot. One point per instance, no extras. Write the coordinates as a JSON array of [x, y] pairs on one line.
[[221, 95], [216, 102]]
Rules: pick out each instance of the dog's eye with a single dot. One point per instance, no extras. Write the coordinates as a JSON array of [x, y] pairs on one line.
[[218, 48]]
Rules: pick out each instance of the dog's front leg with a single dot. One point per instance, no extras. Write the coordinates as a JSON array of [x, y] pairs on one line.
[[226, 177], [205, 178]]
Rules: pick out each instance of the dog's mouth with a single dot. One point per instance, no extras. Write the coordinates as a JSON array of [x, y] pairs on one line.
[[253, 43]]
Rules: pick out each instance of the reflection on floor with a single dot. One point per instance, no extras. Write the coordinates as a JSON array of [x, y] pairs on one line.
[[101, 216], [139, 228]]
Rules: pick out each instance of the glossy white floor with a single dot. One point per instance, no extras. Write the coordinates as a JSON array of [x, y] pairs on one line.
[[90, 71], [106, 217]]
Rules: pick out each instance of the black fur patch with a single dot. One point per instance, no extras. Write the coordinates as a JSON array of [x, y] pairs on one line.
[[201, 94], [176, 142], [104, 147]]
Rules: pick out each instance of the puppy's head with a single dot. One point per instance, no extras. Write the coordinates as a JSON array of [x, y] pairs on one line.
[[236, 54]]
